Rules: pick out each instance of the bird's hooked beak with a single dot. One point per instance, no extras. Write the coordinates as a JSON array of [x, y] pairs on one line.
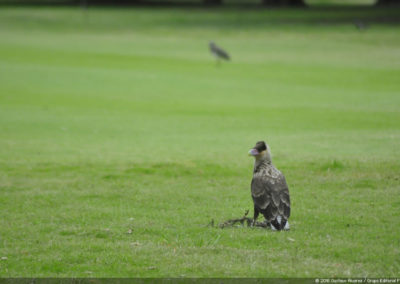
[[253, 152]]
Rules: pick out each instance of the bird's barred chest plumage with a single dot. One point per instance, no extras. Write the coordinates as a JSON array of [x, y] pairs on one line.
[[270, 195], [269, 172]]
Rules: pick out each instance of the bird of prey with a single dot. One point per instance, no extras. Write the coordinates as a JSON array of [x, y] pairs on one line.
[[218, 52], [269, 189]]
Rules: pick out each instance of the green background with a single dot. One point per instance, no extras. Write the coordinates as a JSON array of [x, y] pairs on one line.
[[120, 140]]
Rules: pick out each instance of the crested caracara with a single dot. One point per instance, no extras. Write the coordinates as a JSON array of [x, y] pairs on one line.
[[269, 189]]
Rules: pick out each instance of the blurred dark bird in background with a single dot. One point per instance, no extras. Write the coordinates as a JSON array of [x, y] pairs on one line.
[[361, 26], [218, 52], [269, 189]]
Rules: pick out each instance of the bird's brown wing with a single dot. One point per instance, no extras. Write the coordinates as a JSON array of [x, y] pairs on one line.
[[271, 196]]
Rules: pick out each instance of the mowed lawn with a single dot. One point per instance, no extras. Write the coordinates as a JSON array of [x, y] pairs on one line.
[[120, 141]]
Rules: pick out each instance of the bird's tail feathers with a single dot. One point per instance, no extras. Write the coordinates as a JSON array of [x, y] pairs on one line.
[[280, 224]]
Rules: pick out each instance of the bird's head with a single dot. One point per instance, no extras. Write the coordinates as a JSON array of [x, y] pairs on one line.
[[211, 43], [261, 152]]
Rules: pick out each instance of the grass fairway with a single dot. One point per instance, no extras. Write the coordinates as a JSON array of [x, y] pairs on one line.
[[120, 140]]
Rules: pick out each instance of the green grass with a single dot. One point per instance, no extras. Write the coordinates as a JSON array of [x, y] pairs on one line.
[[120, 140], [225, 2]]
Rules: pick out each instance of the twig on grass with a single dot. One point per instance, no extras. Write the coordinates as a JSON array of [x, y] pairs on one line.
[[242, 221]]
